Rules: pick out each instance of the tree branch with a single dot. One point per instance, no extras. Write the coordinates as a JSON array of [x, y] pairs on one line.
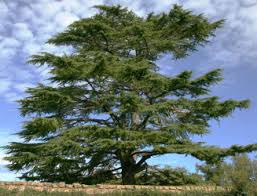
[[99, 121]]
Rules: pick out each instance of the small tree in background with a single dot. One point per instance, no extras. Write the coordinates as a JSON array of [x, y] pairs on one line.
[[214, 173], [110, 109], [240, 174]]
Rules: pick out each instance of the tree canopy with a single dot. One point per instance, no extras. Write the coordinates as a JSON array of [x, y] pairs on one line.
[[108, 109]]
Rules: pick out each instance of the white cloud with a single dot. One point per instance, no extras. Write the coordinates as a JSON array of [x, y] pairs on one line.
[[12, 5], [5, 84], [26, 13], [6, 54], [31, 47], [248, 3], [236, 42], [46, 9], [2, 161], [22, 32], [8, 48], [13, 96], [5, 138], [1, 28], [3, 7], [63, 19], [9, 43], [201, 5], [23, 86], [136, 6]]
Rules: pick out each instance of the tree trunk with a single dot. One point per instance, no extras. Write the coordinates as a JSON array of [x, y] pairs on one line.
[[128, 176], [128, 169]]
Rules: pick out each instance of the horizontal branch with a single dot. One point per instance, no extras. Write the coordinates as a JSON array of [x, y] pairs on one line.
[[86, 120]]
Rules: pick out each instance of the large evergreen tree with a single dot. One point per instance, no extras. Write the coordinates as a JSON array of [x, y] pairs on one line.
[[110, 110]]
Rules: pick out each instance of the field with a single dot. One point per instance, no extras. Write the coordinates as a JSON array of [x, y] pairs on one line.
[[128, 193]]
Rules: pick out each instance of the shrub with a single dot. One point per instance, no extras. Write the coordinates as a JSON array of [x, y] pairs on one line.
[[240, 175], [167, 176]]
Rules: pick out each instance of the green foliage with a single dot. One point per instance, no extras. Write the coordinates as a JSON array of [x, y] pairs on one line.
[[212, 173], [107, 108], [240, 175], [119, 31], [167, 176], [40, 128]]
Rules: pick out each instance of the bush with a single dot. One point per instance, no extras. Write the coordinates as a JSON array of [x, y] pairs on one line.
[[167, 176], [240, 175]]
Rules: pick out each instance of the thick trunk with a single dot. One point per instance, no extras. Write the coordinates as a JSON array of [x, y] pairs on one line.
[[128, 169], [128, 176]]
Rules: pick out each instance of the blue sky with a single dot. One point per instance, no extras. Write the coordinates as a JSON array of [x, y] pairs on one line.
[[25, 25]]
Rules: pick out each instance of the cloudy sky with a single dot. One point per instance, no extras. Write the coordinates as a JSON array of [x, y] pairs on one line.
[[25, 26]]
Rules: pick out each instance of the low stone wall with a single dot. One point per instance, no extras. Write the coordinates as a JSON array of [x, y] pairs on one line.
[[100, 188]]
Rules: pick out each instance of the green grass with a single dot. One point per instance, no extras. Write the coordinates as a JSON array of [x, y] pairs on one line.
[[128, 193]]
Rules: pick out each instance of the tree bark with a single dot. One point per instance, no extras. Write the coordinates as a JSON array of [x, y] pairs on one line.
[[128, 169], [128, 176]]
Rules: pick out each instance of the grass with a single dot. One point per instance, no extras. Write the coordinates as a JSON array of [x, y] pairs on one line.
[[128, 193]]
